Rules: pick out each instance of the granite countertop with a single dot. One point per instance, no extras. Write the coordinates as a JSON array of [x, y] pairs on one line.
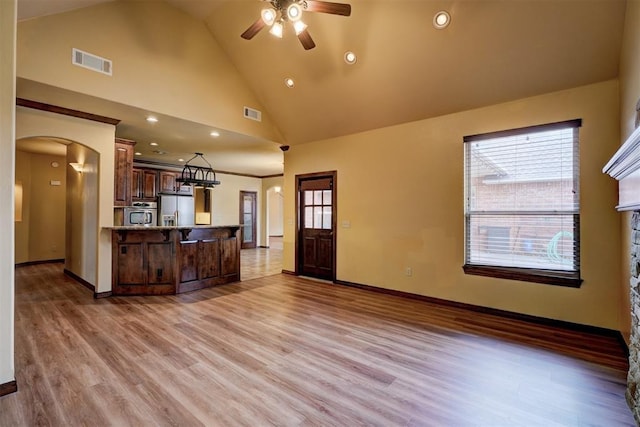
[[165, 227]]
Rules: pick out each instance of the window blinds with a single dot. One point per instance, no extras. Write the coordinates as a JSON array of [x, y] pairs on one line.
[[522, 198]]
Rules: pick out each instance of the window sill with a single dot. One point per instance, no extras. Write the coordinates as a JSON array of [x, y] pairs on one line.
[[547, 277]]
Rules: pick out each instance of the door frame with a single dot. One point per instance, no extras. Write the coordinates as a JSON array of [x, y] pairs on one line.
[[334, 217], [254, 219]]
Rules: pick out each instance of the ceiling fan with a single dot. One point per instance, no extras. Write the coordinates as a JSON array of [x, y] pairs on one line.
[[282, 11]]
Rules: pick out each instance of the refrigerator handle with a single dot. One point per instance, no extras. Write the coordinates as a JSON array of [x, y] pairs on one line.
[[176, 215]]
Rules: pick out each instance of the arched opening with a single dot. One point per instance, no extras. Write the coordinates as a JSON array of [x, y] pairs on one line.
[[58, 182]]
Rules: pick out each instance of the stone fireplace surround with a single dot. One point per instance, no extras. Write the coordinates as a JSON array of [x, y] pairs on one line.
[[625, 167]]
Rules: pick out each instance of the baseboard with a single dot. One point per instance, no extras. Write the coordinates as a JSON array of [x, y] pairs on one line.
[[80, 280], [98, 295], [46, 261], [289, 272], [8, 388], [596, 330]]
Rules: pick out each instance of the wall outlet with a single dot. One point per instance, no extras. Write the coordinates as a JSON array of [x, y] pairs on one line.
[[408, 271]]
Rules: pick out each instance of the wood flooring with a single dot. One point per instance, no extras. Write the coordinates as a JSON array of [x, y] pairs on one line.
[[286, 351]]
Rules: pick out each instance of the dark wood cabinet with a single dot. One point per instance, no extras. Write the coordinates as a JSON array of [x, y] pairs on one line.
[[123, 173], [169, 260], [144, 185], [168, 183]]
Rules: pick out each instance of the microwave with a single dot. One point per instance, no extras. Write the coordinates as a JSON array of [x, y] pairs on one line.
[[141, 213]]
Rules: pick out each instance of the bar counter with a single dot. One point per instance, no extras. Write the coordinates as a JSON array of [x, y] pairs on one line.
[[164, 260]]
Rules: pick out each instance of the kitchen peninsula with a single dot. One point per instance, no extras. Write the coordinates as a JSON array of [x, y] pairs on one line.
[[161, 260]]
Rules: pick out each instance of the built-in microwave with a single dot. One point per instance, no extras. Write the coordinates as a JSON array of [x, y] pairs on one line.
[[141, 213]]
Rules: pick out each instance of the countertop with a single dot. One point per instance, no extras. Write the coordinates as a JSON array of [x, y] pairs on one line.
[[165, 227]]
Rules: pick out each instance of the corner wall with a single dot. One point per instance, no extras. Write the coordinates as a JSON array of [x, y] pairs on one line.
[[401, 190], [8, 10]]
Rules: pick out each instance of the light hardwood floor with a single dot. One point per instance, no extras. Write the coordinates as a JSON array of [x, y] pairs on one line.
[[261, 262], [282, 350]]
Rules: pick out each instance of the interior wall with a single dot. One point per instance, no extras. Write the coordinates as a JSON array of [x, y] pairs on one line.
[[82, 212], [141, 37], [401, 204], [225, 205], [629, 98], [272, 218], [8, 13], [23, 174], [45, 204], [100, 138]]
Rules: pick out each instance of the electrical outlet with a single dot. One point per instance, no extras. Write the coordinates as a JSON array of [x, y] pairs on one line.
[[408, 271]]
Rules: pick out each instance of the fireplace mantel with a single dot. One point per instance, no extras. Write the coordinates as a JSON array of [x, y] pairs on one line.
[[625, 167]]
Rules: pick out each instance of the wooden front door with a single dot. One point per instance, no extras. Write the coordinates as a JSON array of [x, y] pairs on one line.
[[248, 204], [316, 237]]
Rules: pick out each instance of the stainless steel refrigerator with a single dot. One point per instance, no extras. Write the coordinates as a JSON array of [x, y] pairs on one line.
[[176, 210]]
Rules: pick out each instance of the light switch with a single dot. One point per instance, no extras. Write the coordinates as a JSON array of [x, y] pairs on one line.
[[52, 182], [346, 224]]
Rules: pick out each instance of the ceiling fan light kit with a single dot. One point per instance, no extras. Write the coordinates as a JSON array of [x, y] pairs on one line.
[[282, 11]]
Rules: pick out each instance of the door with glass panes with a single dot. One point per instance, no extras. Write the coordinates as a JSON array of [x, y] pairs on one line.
[[317, 222], [248, 215]]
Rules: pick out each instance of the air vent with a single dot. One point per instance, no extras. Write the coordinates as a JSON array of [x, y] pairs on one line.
[[90, 61], [252, 114]]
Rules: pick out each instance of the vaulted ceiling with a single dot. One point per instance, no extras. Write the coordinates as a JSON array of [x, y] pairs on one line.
[[493, 51]]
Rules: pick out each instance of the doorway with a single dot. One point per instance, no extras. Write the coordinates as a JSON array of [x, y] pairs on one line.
[[248, 218], [316, 234]]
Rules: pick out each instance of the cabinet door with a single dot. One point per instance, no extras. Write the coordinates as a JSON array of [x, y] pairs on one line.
[[160, 260], [136, 187], [168, 181], [188, 260], [208, 259], [149, 179], [123, 172], [229, 262], [130, 264]]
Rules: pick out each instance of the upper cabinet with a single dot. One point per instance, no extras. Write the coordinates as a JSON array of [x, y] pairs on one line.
[[168, 183], [123, 174], [144, 185]]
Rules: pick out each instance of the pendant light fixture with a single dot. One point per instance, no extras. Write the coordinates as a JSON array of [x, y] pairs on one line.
[[200, 176]]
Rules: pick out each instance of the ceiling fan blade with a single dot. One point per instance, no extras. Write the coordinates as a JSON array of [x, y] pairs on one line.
[[343, 9], [306, 40], [253, 29]]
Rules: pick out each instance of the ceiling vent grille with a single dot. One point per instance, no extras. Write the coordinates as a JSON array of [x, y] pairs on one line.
[[252, 114], [92, 62]]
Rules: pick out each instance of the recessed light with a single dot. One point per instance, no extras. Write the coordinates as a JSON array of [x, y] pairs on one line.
[[152, 119], [441, 20], [350, 58], [215, 134], [288, 82], [138, 153], [181, 160], [153, 144]]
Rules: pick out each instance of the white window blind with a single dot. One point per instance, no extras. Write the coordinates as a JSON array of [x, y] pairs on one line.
[[522, 198]]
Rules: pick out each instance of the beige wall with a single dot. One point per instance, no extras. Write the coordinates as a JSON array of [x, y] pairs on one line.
[[23, 175], [225, 206], [629, 96], [272, 210], [156, 49], [42, 229], [82, 212], [8, 10], [401, 189], [100, 138]]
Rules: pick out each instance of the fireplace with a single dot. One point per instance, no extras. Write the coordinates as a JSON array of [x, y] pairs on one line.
[[625, 167]]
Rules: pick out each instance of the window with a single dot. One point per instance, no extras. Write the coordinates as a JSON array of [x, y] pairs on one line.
[[522, 211]]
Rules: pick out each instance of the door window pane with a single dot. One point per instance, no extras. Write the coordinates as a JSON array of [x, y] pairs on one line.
[[326, 197], [317, 217], [308, 217], [326, 217], [317, 197]]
